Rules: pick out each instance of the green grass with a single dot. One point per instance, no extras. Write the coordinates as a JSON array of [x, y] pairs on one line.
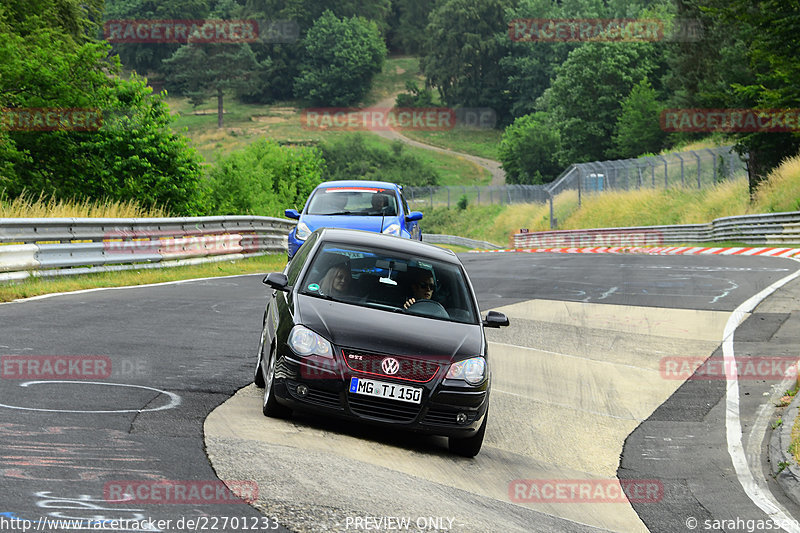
[[39, 286], [392, 80], [245, 123], [473, 141]]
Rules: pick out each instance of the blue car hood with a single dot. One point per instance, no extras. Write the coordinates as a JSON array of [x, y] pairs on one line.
[[366, 223]]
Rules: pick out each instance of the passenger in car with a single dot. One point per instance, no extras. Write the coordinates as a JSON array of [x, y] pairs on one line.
[[337, 280]]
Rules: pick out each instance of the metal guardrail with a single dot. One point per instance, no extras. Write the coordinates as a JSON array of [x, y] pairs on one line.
[[764, 229], [435, 238], [66, 246]]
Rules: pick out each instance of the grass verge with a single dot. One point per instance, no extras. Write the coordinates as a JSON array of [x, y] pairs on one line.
[[38, 286]]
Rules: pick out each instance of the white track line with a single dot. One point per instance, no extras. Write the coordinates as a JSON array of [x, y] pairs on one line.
[[733, 425]]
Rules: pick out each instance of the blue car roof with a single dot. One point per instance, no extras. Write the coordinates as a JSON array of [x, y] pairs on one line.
[[358, 183]]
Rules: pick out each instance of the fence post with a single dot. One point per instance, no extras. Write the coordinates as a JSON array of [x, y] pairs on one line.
[[683, 181], [714, 161], [699, 185], [478, 191], [448, 197]]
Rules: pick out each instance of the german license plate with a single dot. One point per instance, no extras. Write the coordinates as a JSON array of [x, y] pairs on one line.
[[381, 389]]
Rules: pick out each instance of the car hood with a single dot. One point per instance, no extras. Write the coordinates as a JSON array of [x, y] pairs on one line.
[[366, 223], [374, 330]]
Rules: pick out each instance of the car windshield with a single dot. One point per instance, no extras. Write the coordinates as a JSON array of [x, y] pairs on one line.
[[361, 201], [390, 281]]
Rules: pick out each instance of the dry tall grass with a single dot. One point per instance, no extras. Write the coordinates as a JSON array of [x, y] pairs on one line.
[[781, 190], [30, 206]]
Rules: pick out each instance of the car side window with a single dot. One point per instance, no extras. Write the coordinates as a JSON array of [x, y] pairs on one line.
[[406, 210], [296, 265]]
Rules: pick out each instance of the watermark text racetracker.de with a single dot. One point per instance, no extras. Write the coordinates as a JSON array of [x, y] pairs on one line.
[[185, 492], [71, 367], [209, 31], [50, 119], [717, 368], [730, 120], [605, 30], [586, 491], [198, 523], [400, 118]]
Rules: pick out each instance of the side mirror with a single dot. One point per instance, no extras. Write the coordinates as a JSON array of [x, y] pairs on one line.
[[292, 213], [277, 280], [495, 319], [414, 216]]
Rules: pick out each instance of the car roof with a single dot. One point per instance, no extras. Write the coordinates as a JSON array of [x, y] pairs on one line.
[[358, 183], [387, 242]]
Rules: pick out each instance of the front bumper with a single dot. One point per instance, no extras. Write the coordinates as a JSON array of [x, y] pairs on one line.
[[325, 390]]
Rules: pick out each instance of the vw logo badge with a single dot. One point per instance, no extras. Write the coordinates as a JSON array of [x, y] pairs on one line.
[[390, 366]]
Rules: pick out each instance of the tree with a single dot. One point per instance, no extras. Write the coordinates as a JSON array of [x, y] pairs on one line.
[[201, 70], [128, 153], [768, 29], [264, 179], [341, 56], [463, 53], [147, 57], [410, 16], [529, 150], [638, 128], [530, 66], [585, 97]]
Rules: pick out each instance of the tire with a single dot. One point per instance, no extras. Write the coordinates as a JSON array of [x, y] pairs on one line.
[[271, 407], [469, 446], [258, 377]]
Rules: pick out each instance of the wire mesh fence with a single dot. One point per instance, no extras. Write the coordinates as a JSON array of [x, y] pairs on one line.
[[693, 169]]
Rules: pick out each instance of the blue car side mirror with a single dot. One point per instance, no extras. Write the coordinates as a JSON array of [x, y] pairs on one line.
[[292, 213], [414, 216]]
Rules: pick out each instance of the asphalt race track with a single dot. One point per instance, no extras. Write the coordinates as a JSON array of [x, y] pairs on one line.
[[584, 395]]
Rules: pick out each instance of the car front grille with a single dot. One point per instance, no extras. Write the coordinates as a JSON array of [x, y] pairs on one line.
[[383, 409], [413, 369]]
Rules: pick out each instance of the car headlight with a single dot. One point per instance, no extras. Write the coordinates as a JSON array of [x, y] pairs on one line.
[[305, 342], [302, 232], [473, 371], [392, 229]]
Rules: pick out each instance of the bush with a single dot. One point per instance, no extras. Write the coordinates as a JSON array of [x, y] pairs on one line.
[[349, 158], [529, 150], [264, 179]]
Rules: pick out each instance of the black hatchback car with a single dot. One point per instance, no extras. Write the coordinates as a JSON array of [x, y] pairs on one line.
[[381, 330]]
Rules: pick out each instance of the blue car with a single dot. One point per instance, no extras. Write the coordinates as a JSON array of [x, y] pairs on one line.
[[375, 206]]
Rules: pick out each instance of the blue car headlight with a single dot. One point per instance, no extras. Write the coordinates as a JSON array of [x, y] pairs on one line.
[[392, 229], [302, 232], [473, 371]]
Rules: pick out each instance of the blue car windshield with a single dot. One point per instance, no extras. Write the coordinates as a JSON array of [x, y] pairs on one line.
[[382, 279], [360, 201]]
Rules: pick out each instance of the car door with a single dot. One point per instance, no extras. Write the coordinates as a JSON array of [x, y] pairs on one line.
[[411, 227]]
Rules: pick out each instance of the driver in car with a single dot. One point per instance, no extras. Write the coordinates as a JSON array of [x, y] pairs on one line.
[[422, 286]]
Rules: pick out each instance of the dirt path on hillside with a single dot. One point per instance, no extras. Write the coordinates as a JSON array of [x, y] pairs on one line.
[[494, 167]]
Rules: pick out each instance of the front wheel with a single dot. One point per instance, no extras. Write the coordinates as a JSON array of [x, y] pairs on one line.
[[271, 407], [258, 377], [469, 446]]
